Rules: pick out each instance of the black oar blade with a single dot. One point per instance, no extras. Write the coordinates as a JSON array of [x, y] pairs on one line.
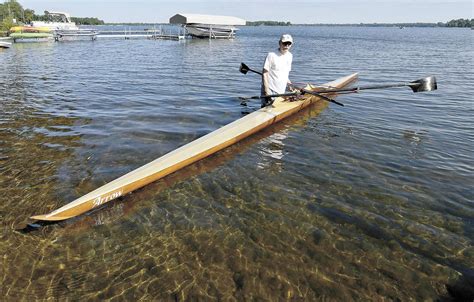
[[426, 84], [243, 68]]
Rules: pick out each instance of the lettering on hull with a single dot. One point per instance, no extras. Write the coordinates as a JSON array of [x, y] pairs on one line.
[[106, 198]]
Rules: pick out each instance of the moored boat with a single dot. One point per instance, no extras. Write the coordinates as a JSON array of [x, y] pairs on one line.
[[4, 44], [210, 31], [190, 153], [30, 33], [29, 36], [56, 21], [63, 28], [29, 29]]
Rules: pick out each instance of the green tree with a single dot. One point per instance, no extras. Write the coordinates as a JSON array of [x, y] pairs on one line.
[[14, 9], [5, 25], [9, 11], [28, 15], [460, 23], [3, 12]]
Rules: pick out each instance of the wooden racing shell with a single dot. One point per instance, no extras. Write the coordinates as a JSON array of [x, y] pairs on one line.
[[190, 153]]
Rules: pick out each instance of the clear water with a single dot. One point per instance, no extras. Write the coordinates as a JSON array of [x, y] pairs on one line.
[[368, 201]]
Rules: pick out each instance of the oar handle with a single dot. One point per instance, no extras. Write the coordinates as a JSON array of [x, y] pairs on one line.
[[280, 95]]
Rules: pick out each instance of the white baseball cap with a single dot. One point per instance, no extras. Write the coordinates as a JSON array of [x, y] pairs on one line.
[[286, 38]]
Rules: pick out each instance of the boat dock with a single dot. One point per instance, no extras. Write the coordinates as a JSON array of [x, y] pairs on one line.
[[168, 37], [124, 34], [191, 26], [154, 33]]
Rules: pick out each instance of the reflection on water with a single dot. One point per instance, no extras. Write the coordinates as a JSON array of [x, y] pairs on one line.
[[370, 201], [273, 150]]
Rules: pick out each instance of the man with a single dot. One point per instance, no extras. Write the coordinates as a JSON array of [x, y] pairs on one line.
[[276, 70]]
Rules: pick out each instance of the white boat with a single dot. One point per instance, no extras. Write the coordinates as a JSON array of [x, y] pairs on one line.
[[63, 28], [56, 21], [211, 31], [5, 44]]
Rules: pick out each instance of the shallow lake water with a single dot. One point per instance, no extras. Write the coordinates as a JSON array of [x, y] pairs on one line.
[[369, 201]]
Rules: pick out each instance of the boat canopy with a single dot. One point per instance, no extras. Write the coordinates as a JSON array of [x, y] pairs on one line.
[[205, 19], [58, 16]]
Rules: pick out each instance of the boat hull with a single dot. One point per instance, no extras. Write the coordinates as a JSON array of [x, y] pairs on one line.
[[5, 44], [211, 32], [188, 154], [29, 29]]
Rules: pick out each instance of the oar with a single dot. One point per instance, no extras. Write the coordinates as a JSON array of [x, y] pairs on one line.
[[421, 85], [244, 69]]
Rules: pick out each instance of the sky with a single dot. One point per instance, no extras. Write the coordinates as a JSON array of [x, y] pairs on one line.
[[294, 11]]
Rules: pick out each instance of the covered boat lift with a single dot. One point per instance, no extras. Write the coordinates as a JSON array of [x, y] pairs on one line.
[[208, 26]]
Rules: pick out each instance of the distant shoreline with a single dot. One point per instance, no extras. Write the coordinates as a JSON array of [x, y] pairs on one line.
[[440, 25], [453, 23], [384, 25], [380, 25]]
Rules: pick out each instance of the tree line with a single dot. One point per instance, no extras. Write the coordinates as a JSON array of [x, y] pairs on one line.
[[268, 23], [452, 23], [461, 23], [87, 21]]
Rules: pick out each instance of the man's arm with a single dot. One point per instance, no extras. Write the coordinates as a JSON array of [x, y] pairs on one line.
[[266, 90]]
